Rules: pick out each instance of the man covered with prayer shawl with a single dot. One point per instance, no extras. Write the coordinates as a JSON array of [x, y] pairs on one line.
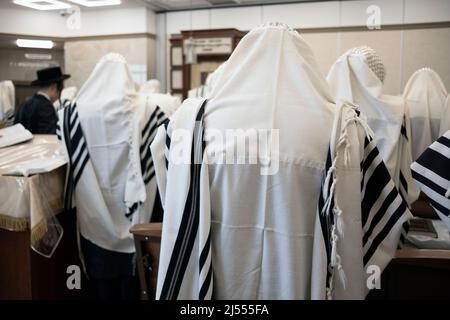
[[357, 76], [168, 104], [425, 96], [281, 213], [111, 181]]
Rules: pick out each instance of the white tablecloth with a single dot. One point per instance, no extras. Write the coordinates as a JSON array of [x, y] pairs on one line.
[[32, 177]]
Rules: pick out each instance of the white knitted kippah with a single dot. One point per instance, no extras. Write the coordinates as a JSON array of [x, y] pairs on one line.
[[372, 59]]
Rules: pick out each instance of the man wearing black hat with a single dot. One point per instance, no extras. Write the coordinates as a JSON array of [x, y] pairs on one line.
[[38, 114]]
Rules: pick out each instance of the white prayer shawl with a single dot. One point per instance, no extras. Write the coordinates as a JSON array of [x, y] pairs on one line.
[[432, 172], [351, 79], [67, 96], [151, 86], [358, 204], [107, 132], [230, 232], [7, 101], [167, 103], [445, 118], [200, 92], [425, 96]]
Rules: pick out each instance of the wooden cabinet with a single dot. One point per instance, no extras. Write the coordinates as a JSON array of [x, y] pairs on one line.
[[212, 46]]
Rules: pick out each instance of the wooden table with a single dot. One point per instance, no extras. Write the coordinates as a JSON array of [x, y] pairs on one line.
[[25, 274]]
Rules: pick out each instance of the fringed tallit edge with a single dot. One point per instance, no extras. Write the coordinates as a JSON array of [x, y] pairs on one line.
[[134, 165], [342, 149]]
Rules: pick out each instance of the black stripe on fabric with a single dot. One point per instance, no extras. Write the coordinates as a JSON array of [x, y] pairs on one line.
[[429, 183], [436, 188], [445, 141], [406, 226], [445, 211], [380, 214], [75, 140], [147, 155], [403, 198], [403, 182], [403, 132], [205, 251], [149, 121], [149, 133], [374, 187], [187, 231], [195, 179], [206, 284], [69, 186], [75, 116], [80, 171], [436, 162], [326, 218], [150, 177], [78, 158], [367, 162], [384, 232], [168, 140], [131, 210], [145, 146]]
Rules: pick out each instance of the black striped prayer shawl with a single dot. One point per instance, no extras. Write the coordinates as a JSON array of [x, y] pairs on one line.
[[432, 172], [78, 153], [378, 193], [189, 224]]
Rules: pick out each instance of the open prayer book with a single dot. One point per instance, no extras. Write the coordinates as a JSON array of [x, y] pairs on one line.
[[13, 135]]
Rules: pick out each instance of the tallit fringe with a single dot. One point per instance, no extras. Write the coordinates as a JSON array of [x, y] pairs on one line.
[[337, 230], [38, 232], [14, 224]]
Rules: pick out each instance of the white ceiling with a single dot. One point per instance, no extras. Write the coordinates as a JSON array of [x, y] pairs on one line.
[[173, 5]]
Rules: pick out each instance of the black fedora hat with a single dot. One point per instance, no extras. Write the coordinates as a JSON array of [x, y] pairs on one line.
[[48, 76]]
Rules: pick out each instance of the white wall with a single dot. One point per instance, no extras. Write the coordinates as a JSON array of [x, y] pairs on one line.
[[93, 23], [327, 14], [31, 22]]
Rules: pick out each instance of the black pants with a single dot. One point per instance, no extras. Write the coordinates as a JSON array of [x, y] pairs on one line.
[[119, 288], [112, 275]]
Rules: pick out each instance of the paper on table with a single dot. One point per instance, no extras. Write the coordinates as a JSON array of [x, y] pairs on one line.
[[13, 135]]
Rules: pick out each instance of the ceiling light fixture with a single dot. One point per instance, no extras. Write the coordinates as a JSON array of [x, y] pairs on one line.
[[37, 44], [97, 3], [43, 4]]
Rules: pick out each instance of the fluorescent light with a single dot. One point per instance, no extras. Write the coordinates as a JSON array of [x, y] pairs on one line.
[[97, 3], [43, 4], [38, 44]]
